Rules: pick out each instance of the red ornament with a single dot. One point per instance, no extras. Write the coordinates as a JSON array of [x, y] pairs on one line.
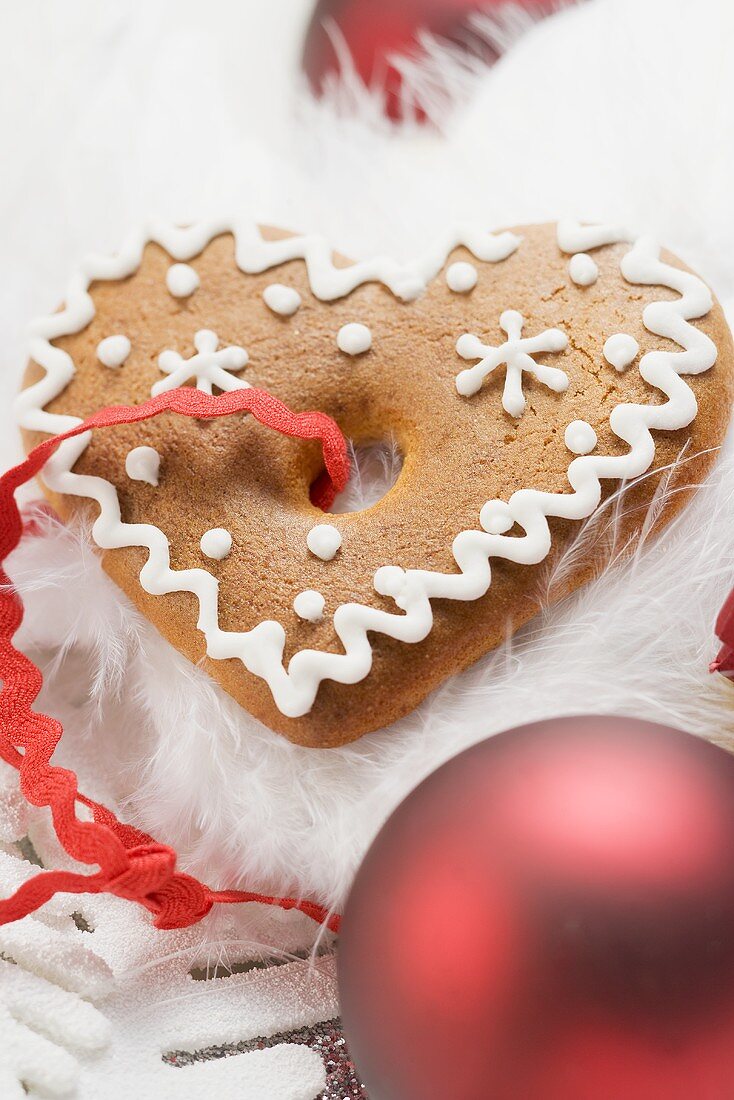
[[550, 916], [724, 660], [375, 31]]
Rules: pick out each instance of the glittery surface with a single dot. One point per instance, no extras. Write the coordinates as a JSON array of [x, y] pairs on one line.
[[95, 997], [325, 1038]]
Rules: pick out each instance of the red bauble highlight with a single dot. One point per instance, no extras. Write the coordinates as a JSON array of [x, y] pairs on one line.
[[375, 31], [550, 916]]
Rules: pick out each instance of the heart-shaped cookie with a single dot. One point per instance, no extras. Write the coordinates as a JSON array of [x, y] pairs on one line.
[[522, 377]]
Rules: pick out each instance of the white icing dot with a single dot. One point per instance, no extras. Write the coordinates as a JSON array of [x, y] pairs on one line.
[[496, 517], [323, 540], [353, 339], [582, 269], [143, 464], [580, 437], [461, 277], [281, 299], [216, 543], [181, 280], [620, 350], [309, 605], [113, 351]]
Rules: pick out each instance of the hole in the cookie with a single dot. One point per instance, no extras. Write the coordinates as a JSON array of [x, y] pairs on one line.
[[375, 467]]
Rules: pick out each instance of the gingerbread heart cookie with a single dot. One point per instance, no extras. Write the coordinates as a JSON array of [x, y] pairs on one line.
[[524, 375]]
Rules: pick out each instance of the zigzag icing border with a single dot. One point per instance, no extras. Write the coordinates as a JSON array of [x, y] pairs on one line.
[[261, 649]]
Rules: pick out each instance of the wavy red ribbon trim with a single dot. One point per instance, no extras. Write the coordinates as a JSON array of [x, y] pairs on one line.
[[131, 864]]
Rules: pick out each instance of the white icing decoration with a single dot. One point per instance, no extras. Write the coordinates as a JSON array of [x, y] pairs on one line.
[[461, 277], [621, 350], [113, 351], [309, 605], [323, 541], [516, 353], [495, 517], [143, 464], [281, 299], [582, 269], [354, 339], [182, 280], [216, 543], [208, 367], [574, 237], [261, 649], [580, 437]]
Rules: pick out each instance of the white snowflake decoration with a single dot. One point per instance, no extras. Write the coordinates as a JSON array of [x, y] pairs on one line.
[[517, 354], [208, 367], [95, 1002]]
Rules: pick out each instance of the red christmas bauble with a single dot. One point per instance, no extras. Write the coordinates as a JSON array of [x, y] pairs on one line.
[[550, 916], [374, 31]]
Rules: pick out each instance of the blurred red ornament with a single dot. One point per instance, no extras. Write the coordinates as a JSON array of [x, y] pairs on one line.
[[724, 660], [375, 31], [550, 916]]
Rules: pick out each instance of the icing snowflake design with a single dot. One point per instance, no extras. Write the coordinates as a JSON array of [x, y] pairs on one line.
[[208, 367], [517, 355]]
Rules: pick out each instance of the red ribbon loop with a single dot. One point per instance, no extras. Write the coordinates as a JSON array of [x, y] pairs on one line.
[[182, 901], [149, 870]]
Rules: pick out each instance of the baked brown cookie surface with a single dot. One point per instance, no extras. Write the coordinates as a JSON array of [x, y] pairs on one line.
[[493, 380]]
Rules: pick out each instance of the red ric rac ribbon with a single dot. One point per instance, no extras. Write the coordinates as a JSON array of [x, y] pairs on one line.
[[131, 864], [724, 660]]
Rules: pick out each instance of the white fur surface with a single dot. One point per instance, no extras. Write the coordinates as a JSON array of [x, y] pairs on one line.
[[616, 109]]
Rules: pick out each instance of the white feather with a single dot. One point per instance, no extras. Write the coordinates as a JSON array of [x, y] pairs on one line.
[[245, 806]]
